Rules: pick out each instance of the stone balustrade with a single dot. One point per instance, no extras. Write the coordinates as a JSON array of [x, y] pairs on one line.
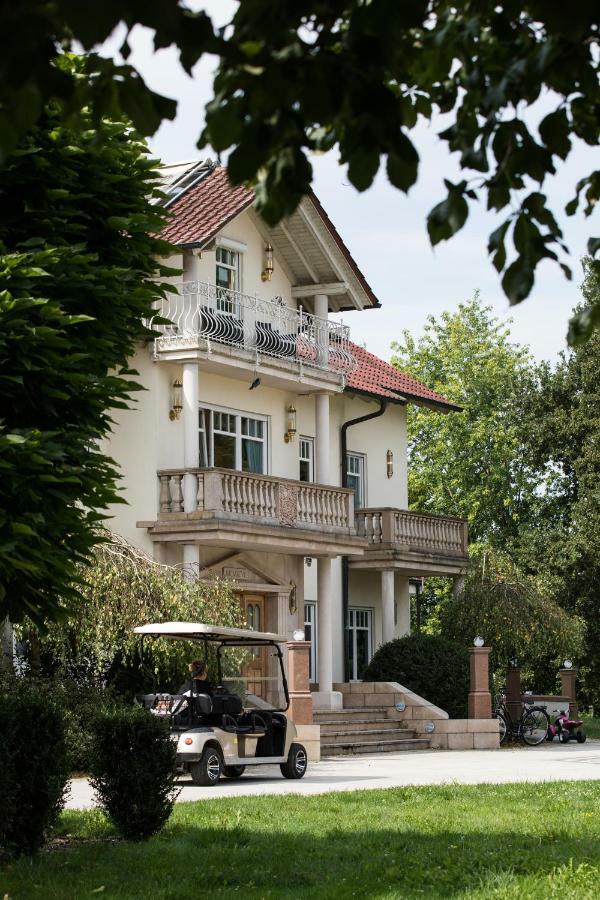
[[260, 499], [416, 531]]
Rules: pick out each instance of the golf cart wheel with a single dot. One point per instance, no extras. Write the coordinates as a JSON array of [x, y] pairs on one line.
[[233, 771], [564, 737], [297, 760], [207, 771], [581, 736]]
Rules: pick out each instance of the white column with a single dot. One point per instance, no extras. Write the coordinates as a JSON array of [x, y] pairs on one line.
[[322, 449], [321, 308], [403, 604], [387, 605], [191, 434], [324, 619], [191, 561]]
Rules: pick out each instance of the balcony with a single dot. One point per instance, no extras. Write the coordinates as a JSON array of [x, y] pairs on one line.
[[255, 512], [411, 542], [215, 320]]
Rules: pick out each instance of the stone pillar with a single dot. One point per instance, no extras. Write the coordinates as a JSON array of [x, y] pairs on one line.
[[403, 606], [191, 434], [568, 688], [514, 696], [191, 561], [298, 682], [480, 699], [387, 605], [322, 473], [321, 309], [325, 697]]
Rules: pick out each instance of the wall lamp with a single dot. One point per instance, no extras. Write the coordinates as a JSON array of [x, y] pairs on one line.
[[268, 269], [389, 463], [176, 400], [291, 424]]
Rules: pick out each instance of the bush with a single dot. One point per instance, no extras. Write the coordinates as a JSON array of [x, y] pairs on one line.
[[133, 770], [81, 704], [33, 765], [429, 665]]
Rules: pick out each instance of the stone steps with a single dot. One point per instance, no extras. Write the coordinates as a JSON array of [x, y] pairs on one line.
[[352, 748], [328, 727], [375, 735]]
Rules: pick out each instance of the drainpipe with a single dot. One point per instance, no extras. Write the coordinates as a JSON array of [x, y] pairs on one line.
[[345, 565]]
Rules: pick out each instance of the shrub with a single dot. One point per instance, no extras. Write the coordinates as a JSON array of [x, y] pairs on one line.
[[133, 770], [33, 765], [81, 704], [429, 665]]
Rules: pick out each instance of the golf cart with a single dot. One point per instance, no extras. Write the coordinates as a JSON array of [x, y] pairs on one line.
[[243, 721]]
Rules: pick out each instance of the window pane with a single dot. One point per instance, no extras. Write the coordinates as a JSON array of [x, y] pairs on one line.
[[224, 451], [362, 651], [252, 456], [305, 472]]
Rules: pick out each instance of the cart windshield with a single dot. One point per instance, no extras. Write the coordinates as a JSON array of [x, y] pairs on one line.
[[254, 673]]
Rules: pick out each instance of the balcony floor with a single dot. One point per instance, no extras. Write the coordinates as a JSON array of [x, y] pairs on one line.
[[244, 535]]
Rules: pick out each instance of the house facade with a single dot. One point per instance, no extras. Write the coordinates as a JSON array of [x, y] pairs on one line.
[[269, 448]]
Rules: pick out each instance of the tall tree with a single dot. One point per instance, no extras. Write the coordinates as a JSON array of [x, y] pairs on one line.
[[78, 274], [300, 77], [563, 419], [471, 463]]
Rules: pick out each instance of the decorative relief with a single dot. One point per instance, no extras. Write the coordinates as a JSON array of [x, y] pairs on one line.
[[233, 574], [288, 504]]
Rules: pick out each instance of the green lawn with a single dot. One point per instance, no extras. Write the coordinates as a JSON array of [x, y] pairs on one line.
[[518, 841]]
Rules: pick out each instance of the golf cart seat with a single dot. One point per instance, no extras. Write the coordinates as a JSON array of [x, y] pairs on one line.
[[146, 700], [250, 724]]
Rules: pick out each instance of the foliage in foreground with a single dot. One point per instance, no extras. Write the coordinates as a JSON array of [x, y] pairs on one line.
[[133, 770], [431, 666], [532, 841], [33, 765], [78, 274], [125, 588], [357, 76]]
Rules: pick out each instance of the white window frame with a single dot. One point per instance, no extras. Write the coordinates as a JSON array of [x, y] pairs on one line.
[[236, 268], [310, 621], [352, 631], [238, 414], [361, 458], [310, 459]]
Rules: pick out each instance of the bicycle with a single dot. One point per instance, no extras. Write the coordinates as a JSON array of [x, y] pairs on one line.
[[531, 726]]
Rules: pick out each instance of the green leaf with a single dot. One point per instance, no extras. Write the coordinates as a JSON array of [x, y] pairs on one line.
[[518, 280], [362, 168], [593, 245], [403, 165], [555, 130]]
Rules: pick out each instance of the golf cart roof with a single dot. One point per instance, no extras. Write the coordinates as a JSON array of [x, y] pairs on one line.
[[195, 631]]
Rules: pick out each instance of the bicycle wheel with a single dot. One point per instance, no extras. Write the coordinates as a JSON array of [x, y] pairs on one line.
[[534, 726], [502, 727]]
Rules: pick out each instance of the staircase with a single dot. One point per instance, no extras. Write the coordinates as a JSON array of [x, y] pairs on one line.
[[365, 729]]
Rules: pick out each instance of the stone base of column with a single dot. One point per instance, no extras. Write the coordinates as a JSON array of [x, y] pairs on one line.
[[327, 700], [301, 708], [479, 705]]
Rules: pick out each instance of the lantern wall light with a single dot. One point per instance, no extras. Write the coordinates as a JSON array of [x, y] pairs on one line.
[[389, 462], [176, 400], [291, 424], [269, 268]]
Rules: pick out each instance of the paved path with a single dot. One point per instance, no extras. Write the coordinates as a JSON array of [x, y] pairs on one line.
[[551, 762]]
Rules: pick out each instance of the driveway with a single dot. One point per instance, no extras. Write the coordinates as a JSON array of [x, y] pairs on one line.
[[551, 762]]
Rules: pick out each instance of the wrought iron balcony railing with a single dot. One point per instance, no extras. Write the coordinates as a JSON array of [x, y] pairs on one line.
[[204, 312]]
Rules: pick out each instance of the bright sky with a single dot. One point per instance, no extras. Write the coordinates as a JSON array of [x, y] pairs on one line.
[[385, 229]]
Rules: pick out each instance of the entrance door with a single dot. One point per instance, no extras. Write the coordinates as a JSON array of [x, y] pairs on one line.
[[360, 641], [255, 670]]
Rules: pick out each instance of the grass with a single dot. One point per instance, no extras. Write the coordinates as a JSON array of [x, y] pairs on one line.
[[505, 841]]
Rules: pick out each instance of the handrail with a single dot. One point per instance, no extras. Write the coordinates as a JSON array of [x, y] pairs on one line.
[[200, 311]]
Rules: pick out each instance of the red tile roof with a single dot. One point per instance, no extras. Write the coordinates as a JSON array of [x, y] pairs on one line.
[[202, 210], [379, 379]]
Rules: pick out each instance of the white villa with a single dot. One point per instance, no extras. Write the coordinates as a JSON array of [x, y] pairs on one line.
[[269, 448]]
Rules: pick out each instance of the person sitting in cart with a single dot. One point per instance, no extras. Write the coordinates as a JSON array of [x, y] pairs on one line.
[[199, 681]]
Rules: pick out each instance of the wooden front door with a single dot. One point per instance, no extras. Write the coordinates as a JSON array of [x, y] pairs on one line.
[[255, 670]]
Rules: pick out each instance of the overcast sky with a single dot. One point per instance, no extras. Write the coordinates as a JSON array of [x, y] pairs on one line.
[[385, 229]]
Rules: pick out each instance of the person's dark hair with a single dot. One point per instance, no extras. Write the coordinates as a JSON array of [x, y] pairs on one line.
[[197, 667]]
